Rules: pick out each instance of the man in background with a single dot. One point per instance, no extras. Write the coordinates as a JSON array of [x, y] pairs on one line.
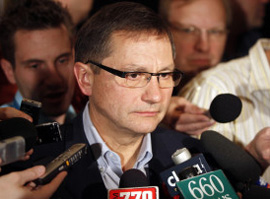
[[199, 42], [199, 29], [247, 78], [37, 55]]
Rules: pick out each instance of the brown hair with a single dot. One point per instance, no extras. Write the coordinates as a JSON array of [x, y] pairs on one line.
[[93, 39], [31, 15]]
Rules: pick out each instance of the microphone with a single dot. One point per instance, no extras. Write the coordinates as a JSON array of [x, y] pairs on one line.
[[17, 136], [134, 184], [48, 133], [237, 164], [194, 178], [231, 158], [63, 162], [225, 108], [183, 160], [133, 178]]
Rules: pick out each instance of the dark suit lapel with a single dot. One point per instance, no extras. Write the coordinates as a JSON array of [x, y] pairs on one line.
[[85, 173]]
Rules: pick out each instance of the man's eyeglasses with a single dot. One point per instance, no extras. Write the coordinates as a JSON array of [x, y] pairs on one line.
[[193, 32], [141, 79]]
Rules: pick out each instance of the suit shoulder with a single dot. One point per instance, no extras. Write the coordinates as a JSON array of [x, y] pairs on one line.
[[176, 139]]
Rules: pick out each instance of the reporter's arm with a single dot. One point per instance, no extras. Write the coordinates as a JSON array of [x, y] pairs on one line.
[[12, 185], [259, 147], [186, 117], [9, 112]]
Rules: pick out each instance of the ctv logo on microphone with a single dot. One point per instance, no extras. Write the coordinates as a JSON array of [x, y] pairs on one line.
[[173, 179], [134, 193], [170, 176]]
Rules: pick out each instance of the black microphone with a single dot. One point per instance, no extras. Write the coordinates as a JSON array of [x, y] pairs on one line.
[[195, 178], [182, 160], [17, 136], [237, 164], [134, 184], [133, 178], [225, 108]]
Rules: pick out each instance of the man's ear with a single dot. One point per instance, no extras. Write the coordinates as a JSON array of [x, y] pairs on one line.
[[8, 70], [85, 77]]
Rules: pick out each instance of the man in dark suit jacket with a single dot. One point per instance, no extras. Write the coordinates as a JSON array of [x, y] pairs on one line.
[[84, 179], [124, 63]]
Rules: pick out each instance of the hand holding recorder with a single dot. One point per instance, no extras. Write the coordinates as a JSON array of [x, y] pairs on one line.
[[13, 186]]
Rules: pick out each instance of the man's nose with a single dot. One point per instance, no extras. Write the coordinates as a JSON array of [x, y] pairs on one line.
[[202, 43], [53, 75], [152, 91]]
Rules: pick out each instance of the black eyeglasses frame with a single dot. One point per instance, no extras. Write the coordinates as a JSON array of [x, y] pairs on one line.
[[123, 74]]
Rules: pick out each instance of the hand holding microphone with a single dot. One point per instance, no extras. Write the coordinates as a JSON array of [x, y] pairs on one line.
[[17, 136], [189, 118], [259, 147], [12, 185], [9, 112], [186, 117]]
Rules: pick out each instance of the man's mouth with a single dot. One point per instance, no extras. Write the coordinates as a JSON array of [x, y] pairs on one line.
[[147, 113], [200, 62], [54, 96]]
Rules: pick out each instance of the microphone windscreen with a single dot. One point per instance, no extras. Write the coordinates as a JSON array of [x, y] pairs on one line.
[[231, 158], [19, 127], [225, 108], [133, 178]]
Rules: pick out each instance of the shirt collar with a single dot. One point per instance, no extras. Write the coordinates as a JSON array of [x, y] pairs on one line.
[[93, 137], [17, 100]]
